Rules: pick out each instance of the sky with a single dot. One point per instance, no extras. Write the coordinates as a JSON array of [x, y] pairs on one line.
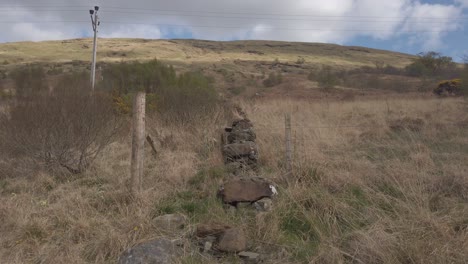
[[407, 26]]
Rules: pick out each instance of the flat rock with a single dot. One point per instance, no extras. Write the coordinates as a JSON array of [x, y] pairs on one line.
[[235, 151], [213, 229], [159, 251], [245, 190], [248, 255], [232, 240], [170, 221], [242, 124], [241, 135]]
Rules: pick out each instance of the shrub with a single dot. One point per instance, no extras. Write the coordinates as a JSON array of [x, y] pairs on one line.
[[273, 79], [327, 78], [66, 128], [29, 80], [181, 96], [430, 63], [300, 60]]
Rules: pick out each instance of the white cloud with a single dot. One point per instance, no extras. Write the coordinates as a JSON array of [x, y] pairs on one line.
[[31, 32], [133, 31], [337, 21]]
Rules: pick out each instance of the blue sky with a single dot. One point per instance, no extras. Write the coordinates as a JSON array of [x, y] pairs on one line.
[[407, 26]]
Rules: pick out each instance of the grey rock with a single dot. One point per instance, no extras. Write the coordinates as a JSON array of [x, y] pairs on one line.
[[170, 222], [207, 246], [238, 135], [245, 190], [248, 255], [235, 151], [232, 240], [159, 251], [242, 124], [212, 229], [264, 205]]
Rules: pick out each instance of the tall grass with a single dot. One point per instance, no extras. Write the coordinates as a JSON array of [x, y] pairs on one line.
[[373, 184]]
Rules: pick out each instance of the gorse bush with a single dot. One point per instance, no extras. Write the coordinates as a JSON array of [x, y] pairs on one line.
[[177, 97]]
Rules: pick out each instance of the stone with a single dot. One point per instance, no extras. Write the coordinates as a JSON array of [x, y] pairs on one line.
[[264, 205], [245, 190], [159, 251], [248, 255], [207, 246], [242, 124], [237, 136], [170, 221], [213, 229], [234, 151], [232, 240]]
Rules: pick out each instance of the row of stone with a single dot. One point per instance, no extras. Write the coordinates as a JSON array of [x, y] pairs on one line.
[[239, 147]]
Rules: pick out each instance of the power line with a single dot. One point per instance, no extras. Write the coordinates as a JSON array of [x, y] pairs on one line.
[[434, 20], [222, 13], [238, 27]]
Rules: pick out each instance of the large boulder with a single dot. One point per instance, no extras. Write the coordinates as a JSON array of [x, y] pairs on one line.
[[159, 251], [245, 190]]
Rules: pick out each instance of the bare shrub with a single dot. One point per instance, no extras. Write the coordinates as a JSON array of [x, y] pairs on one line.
[[28, 80], [66, 128], [273, 79], [408, 124]]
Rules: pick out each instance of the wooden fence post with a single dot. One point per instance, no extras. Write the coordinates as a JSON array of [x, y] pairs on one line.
[[289, 171], [138, 142]]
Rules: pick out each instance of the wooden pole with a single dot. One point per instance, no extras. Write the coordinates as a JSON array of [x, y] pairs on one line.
[[138, 142], [288, 146]]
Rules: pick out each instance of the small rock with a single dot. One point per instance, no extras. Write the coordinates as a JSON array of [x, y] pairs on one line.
[[204, 230], [170, 221], [248, 255], [207, 246], [231, 209], [159, 251], [235, 151], [264, 205], [232, 240]]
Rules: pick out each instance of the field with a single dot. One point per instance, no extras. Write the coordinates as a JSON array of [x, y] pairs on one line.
[[379, 162], [376, 181]]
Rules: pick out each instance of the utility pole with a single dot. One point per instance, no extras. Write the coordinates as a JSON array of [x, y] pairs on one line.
[[95, 23]]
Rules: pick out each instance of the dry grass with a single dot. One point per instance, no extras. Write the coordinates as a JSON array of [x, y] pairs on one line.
[[374, 184], [197, 51]]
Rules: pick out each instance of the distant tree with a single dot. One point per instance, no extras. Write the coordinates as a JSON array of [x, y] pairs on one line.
[[430, 64]]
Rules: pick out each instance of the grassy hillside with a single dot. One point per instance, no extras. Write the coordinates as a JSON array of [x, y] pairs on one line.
[[238, 68], [195, 51]]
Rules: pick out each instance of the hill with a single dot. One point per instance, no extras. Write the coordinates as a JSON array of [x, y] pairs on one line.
[[238, 68], [196, 52]]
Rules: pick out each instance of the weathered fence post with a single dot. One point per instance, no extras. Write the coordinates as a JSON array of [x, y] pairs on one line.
[[289, 172], [138, 142]]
